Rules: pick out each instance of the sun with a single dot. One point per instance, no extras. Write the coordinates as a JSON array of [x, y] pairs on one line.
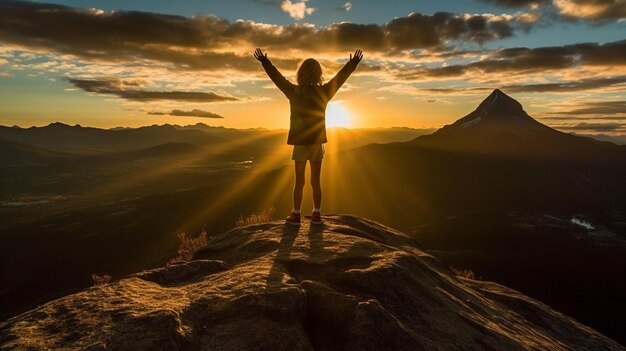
[[337, 115]]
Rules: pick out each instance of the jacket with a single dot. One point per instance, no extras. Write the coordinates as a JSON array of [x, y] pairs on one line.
[[307, 121]]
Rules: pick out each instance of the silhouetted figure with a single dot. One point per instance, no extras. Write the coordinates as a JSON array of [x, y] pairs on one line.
[[307, 128]]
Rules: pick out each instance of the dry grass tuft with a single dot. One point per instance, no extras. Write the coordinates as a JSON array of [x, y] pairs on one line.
[[100, 279], [189, 246], [465, 273], [257, 218]]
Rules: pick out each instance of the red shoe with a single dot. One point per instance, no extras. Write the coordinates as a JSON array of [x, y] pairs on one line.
[[316, 218], [293, 219]]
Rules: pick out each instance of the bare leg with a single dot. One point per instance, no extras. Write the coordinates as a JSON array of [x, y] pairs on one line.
[[316, 171], [300, 167]]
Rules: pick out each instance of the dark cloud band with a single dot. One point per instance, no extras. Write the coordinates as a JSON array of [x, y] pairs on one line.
[[121, 89], [596, 127], [516, 3], [192, 113], [603, 108], [567, 86], [560, 87], [527, 60]]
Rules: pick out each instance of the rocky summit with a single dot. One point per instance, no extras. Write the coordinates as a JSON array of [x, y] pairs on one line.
[[351, 284]]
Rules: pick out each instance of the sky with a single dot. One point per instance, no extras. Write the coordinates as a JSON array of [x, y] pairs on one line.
[[132, 63]]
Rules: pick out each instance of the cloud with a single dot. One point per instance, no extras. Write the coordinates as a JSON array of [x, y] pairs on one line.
[[128, 90], [590, 10], [529, 60], [596, 127], [586, 53], [516, 3], [597, 108], [125, 43], [569, 118], [192, 113], [567, 86], [296, 10], [557, 87], [347, 6], [430, 31], [593, 10], [212, 43], [404, 89]]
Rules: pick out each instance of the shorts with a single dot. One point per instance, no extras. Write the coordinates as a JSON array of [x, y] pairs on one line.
[[312, 152]]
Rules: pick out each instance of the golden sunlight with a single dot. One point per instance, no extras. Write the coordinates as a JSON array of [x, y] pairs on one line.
[[337, 115]]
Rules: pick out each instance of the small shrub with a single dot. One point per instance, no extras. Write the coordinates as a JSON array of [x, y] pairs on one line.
[[189, 246], [100, 279], [465, 273], [257, 218]]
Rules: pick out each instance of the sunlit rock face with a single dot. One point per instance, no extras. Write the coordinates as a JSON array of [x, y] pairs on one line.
[[351, 284]]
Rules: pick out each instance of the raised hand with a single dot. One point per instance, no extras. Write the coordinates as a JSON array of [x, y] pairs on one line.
[[259, 55], [358, 55]]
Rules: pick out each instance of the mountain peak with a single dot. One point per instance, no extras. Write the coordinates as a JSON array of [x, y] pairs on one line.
[[352, 284], [499, 111], [499, 100], [499, 125], [496, 93]]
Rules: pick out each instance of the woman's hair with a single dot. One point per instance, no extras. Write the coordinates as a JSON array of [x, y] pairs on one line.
[[309, 72]]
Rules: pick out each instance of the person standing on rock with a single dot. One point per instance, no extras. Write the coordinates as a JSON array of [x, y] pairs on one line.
[[307, 128]]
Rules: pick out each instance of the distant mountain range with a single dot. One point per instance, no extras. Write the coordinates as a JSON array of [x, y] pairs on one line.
[[79, 139], [87, 140]]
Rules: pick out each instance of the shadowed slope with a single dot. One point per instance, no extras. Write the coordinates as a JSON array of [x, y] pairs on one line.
[[352, 284]]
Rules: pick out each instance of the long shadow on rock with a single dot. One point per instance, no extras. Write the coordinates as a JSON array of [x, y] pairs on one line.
[[275, 276]]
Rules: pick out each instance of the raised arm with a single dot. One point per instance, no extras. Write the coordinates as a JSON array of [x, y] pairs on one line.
[[334, 84], [281, 82]]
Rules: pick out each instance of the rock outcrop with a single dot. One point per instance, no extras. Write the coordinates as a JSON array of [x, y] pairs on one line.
[[350, 285]]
